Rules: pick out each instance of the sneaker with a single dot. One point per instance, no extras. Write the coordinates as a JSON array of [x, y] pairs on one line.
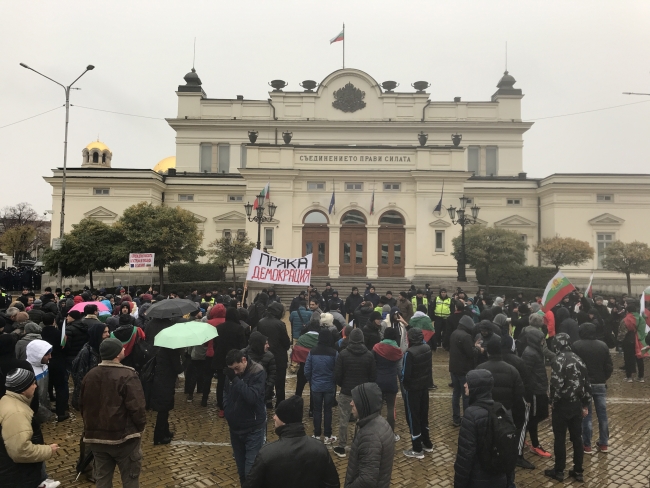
[[339, 451], [587, 450], [577, 476], [541, 452], [602, 447], [330, 440], [640, 380], [49, 483], [556, 475], [221, 414], [315, 437], [427, 446], [397, 437], [190, 398], [629, 380], [522, 463], [645, 349], [414, 454]]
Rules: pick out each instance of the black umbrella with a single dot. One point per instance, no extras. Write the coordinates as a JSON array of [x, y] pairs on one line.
[[85, 458], [169, 309]]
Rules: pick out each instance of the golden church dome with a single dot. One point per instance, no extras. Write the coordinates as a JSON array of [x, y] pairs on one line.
[[164, 164], [97, 145]]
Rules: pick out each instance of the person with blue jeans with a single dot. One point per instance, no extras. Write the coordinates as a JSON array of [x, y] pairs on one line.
[[319, 371], [596, 357], [462, 353], [245, 410]]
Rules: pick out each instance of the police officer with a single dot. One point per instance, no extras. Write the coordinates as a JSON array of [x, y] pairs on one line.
[[419, 299], [441, 312]]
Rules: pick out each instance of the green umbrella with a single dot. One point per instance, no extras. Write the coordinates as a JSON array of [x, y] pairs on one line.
[[185, 334]]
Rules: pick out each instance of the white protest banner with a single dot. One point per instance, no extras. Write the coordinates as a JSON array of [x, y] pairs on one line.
[[265, 268], [141, 260]]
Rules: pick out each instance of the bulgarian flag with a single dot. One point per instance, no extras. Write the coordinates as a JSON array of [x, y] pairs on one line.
[[338, 37], [556, 290], [63, 336], [589, 291], [265, 191]]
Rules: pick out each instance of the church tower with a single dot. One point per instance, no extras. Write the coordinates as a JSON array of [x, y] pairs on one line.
[[96, 155]]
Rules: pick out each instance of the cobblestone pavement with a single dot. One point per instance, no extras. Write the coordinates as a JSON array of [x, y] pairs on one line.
[[200, 454]]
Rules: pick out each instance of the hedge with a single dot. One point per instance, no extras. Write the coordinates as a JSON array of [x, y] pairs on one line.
[[190, 272], [518, 276], [201, 286]]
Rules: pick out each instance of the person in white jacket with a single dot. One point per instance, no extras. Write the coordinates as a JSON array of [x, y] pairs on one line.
[[38, 355]]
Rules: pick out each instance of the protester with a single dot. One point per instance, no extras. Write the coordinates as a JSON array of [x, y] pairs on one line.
[[373, 447], [258, 351], [275, 330], [372, 330], [76, 335], [570, 397], [243, 402], [462, 354], [319, 371], [87, 358], [405, 307], [58, 380], [388, 357], [294, 460], [38, 355], [473, 433], [32, 332], [595, 355], [112, 406], [631, 332], [362, 314], [231, 335], [21, 461], [298, 319], [354, 365]]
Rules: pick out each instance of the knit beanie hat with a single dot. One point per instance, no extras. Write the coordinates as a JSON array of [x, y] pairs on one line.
[[75, 314], [110, 348], [375, 316], [290, 410], [403, 294], [19, 380], [356, 336]]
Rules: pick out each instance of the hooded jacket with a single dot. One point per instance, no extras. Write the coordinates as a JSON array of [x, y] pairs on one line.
[[32, 332], [595, 355], [566, 324], [76, 333], [295, 460], [501, 320], [533, 357], [461, 348], [352, 302], [231, 335], [276, 331], [416, 366], [362, 315], [569, 376], [258, 309], [255, 352], [508, 388], [373, 447], [243, 400], [320, 364], [35, 352], [86, 360], [355, 364], [388, 357], [216, 317], [473, 428]]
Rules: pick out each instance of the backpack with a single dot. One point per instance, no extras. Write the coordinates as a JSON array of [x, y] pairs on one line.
[[141, 354], [497, 452]]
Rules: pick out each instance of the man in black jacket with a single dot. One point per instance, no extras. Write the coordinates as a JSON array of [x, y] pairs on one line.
[[275, 330], [372, 330], [362, 314], [473, 430], [596, 357], [352, 302], [461, 360], [258, 351], [76, 333], [354, 365], [327, 296], [295, 460], [335, 303], [416, 376]]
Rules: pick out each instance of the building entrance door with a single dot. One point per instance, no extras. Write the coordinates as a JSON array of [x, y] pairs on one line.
[[316, 241], [354, 248], [391, 245]]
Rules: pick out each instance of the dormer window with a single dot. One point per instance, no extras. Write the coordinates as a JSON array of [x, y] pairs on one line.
[[103, 158], [95, 157]]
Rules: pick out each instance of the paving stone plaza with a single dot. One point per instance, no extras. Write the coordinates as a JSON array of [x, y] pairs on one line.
[[200, 455]]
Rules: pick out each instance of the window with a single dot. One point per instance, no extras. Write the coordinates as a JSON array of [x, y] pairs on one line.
[[470, 201], [354, 186], [224, 158], [101, 191], [440, 241], [491, 161], [473, 158], [241, 234], [95, 157], [392, 186], [243, 156], [353, 217], [604, 239], [604, 198], [268, 237], [103, 158], [185, 197], [315, 185], [524, 238], [235, 198], [514, 201], [315, 217], [391, 218], [206, 158], [227, 234]]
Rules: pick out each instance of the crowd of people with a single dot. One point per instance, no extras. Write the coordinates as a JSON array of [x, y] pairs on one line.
[[356, 355]]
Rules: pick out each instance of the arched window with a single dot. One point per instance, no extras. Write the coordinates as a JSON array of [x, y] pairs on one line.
[[104, 158], [95, 157], [315, 217], [353, 217], [391, 218]]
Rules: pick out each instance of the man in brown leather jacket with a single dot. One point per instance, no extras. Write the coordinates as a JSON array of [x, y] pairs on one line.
[[112, 405]]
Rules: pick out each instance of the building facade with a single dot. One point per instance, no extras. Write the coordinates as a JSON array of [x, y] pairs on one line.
[[386, 158]]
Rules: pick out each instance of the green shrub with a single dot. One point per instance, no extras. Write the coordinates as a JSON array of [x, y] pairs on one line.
[[518, 276], [189, 272], [201, 286]]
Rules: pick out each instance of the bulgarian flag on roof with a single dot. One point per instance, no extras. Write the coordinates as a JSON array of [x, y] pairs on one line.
[[265, 191], [556, 290], [339, 37]]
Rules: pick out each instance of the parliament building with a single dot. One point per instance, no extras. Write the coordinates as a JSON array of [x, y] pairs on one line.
[[385, 157]]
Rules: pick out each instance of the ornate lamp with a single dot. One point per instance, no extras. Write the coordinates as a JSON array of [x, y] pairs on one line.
[[452, 212], [249, 209], [272, 208], [475, 210], [463, 202], [260, 200]]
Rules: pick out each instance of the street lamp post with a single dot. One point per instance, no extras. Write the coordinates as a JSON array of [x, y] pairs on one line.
[[459, 217], [66, 89], [259, 217]]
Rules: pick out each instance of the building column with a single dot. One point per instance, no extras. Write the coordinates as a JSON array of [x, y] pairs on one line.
[[372, 263], [296, 248], [410, 251], [335, 245]]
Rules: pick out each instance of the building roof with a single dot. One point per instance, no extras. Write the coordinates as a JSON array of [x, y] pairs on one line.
[[97, 145], [164, 164]]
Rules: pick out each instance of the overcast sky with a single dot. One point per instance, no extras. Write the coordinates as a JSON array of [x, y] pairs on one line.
[[567, 57]]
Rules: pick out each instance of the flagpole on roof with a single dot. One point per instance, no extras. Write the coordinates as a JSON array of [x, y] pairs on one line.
[[343, 45]]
